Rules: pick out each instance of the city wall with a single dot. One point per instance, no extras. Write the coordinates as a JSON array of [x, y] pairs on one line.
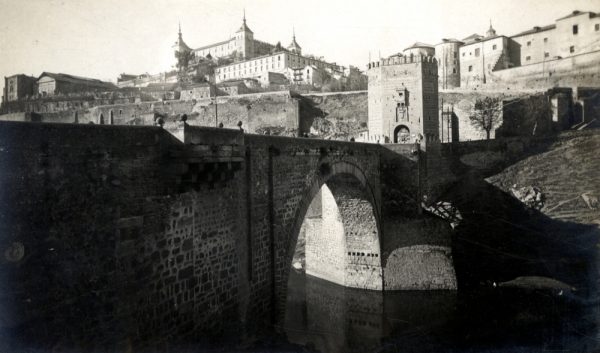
[[574, 71]]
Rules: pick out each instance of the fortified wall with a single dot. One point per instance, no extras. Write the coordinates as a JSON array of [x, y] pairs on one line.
[[573, 71]]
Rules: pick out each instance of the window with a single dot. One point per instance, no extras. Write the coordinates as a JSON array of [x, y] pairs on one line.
[[546, 54], [527, 58], [494, 47], [575, 29], [463, 54], [477, 52], [545, 40], [571, 49], [470, 68], [454, 70], [597, 27], [529, 43]]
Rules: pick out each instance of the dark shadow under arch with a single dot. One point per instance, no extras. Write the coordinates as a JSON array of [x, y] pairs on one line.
[[401, 134]]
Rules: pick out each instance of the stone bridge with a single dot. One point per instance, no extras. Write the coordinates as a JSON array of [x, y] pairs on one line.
[[127, 236]]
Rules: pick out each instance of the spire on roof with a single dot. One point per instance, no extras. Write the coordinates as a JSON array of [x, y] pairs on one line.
[[244, 27], [180, 45], [294, 47], [491, 31]]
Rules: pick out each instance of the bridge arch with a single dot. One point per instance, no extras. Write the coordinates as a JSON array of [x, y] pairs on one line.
[[350, 253]]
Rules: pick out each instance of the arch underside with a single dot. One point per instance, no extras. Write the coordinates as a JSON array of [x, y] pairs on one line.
[[341, 234], [401, 134]]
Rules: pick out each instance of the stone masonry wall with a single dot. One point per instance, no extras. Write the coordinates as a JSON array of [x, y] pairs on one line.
[[325, 241], [66, 192], [286, 176], [122, 263]]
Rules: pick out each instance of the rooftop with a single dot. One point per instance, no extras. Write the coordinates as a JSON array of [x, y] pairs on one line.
[[578, 13], [534, 30], [213, 45], [75, 79], [420, 45], [480, 39], [450, 40]]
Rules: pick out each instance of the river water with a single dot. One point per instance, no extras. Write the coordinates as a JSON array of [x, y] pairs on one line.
[[325, 317]]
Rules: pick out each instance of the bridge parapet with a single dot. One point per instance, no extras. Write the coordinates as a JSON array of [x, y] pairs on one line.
[[207, 155]]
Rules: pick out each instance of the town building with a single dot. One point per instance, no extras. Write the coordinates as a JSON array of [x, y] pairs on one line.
[[282, 62], [571, 35], [143, 80], [241, 46], [355, 79], [244, 57], [480, 55], [564, 53], [403, 100], [49, 84], [447, 54], [17, 87], [198, 91], [233, 87], [419, 48], [162, 91]]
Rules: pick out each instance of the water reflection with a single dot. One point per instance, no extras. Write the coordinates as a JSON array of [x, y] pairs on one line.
[[329, 318]]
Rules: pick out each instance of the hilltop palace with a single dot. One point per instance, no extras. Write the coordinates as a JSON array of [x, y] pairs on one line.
[[244, 57]]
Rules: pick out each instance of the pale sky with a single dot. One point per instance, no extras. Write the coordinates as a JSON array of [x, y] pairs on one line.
[[103, 38]]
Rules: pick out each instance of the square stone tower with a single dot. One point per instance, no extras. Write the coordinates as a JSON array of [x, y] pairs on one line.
[[403, 100]]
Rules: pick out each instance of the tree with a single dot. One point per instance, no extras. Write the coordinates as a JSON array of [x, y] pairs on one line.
[[486, 114], [183, 58]]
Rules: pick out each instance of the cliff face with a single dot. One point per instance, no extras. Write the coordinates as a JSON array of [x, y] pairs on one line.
[[338, 116]]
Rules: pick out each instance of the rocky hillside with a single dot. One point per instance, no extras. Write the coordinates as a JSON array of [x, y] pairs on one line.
[[562, 182], [337, 116]]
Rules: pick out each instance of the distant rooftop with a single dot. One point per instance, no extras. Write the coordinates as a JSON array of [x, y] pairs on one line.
[[535, 30], [450, 40], [420, 45], [578, 13], [75, 79]]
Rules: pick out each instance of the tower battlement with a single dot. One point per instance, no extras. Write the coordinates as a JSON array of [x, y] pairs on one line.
[[402, 60]]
